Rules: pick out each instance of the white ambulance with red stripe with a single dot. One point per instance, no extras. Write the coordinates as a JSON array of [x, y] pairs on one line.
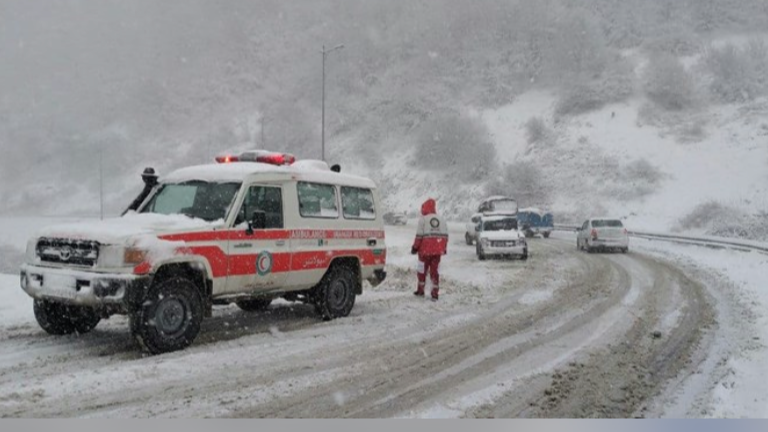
[[247, 230]]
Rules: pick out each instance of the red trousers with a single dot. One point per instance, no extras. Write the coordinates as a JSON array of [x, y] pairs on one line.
[[429, 265]]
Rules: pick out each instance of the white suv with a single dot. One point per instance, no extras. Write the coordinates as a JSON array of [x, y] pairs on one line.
[[499, 236], [247, 230]]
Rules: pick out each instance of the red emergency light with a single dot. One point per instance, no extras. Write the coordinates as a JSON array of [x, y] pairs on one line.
[[227, 159], [260, 156], [277, 159]]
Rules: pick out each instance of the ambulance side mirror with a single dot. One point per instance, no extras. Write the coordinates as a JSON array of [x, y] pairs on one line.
[[259, 220]]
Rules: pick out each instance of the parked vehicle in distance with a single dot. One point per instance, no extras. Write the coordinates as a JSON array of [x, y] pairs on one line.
[[395, 218], [471, 235], [533, 221], [498, 206], [491, 206], [602, 234], [498, 236]]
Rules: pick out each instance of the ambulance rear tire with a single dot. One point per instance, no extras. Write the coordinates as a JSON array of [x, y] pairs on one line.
[[335, 296]]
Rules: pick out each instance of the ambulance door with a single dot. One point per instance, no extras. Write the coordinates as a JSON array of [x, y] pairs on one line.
[[313, 249], [259, 256]]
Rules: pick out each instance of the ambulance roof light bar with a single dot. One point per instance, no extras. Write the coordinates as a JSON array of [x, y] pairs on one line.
[[222, 159], [261, 156]]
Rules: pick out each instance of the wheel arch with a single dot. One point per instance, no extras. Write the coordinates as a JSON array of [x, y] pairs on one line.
[[198, 271]]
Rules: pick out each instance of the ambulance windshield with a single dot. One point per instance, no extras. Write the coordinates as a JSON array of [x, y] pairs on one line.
[[196, 199]]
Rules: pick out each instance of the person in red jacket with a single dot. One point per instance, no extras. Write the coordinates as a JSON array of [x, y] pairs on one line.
[[431, 244]]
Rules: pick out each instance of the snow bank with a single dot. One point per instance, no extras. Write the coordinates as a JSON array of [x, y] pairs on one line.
[[15, 304], [740, 392]]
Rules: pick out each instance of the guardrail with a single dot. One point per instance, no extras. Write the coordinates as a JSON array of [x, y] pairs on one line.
[[710, 242]]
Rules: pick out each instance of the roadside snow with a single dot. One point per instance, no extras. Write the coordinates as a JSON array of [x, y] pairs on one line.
[[741, 390], [15, 304]]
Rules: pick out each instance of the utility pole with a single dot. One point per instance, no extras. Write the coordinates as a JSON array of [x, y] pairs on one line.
[[325, 54], [101, 179], [263, 143]]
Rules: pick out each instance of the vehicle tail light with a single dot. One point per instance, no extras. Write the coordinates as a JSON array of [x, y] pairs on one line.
[[626, 232], [594, 234]]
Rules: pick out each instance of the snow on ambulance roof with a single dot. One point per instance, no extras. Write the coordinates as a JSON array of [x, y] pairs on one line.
[[309, 170], [228, 172]]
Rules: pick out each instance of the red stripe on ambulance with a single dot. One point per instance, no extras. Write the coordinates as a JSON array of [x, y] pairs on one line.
[[223, 265]]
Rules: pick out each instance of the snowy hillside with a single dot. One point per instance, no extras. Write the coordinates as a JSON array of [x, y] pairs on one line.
[[707, 166]]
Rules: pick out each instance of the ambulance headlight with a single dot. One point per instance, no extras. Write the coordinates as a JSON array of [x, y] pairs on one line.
[[111, 256]]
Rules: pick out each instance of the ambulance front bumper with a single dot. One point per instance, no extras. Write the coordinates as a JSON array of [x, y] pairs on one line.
[[82, 288]]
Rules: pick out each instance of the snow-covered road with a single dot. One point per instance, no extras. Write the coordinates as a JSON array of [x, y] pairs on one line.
[[565, 334]]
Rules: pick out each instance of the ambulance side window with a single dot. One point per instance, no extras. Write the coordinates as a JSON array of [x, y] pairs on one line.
[[357, 203], [317, 200], [263, 198]]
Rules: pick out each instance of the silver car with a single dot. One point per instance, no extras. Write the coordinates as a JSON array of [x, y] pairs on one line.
[[602, 234]]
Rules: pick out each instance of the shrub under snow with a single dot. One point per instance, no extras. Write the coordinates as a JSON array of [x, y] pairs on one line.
[[716, 219], [668, 84], [738, 74]]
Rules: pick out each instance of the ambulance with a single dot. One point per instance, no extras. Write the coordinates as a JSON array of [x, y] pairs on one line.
[[246, 230]]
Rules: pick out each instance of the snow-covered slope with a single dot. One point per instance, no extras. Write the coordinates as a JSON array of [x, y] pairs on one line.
[[648, 167], [728, 164]]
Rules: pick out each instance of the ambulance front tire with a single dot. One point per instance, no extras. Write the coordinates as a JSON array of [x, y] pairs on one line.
[[254, 305], [60, 319], [334, 297], [169, 319]]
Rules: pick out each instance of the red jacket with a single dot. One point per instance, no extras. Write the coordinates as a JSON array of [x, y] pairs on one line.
[[432, 234]]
